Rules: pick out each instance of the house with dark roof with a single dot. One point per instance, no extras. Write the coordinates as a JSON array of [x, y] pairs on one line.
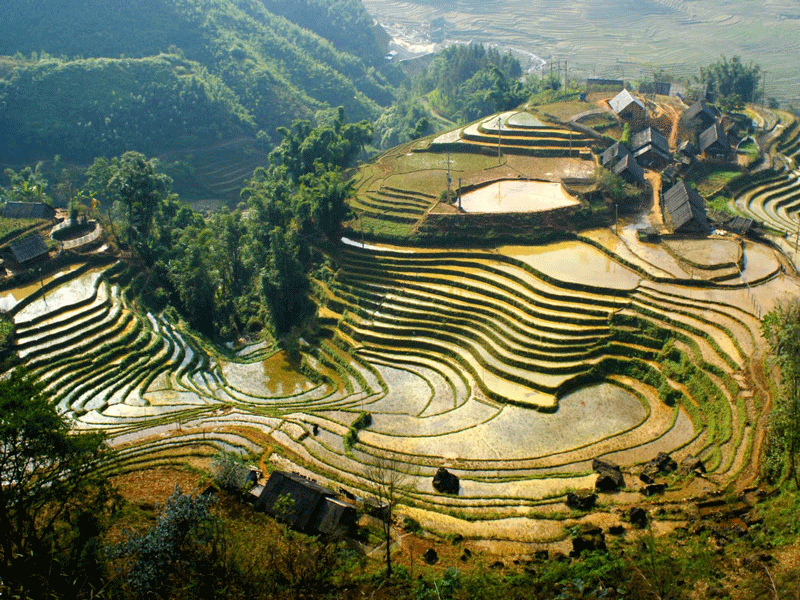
[[626, 106], [740, 225], [700, 114], [629, 170], [684, 210], [650, 148], [29, 210], [687, 148], [611, 156], [313, 508], [714, 142], [28, 248]]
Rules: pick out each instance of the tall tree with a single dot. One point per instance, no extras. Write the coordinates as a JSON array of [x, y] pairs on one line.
[[732, 81], [51, 495], [27, 185], [781, 329], [141, 188], [388, 484]]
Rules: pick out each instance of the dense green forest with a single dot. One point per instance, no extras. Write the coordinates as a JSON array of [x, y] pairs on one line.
[[203, 69]]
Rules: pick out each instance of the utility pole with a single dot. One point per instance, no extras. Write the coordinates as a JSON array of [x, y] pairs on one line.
[[565, 79], [449, 178], [764, 92], [499, 137], [558, 74], [796, 239], [459, 193]]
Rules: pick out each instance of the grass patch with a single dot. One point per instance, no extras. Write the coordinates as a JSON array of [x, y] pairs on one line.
[[9, 228], [710, 177]]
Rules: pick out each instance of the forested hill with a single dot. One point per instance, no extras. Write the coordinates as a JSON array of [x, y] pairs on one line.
[[84, 78]]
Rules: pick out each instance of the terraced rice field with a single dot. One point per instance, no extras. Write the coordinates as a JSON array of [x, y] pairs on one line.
[[619, 39], [772, 196], [515, 133], [513, 368], [517, 196]]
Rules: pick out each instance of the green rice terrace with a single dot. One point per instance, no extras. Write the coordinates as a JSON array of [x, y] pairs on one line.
[[511, 365]]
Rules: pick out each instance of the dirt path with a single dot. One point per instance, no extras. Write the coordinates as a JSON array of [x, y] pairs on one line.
[[675, 118], [656, 216]]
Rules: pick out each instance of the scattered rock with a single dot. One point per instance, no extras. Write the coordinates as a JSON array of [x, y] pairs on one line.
[[590, 538], [541, 555], [692, 463], [638, 517], [445, 482], [458, 538], [653, 489], [430, 556], [645, 478], [584, 500], [609, 481], [497, 565], [663, 463]]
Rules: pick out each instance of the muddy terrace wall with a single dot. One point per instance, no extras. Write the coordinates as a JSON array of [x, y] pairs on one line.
[[503, 227]]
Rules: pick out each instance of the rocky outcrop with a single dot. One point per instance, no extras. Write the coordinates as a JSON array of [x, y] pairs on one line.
[[590, 538], [638, 517], [663, 463], [445, 482], [584, 500], [609, 476]]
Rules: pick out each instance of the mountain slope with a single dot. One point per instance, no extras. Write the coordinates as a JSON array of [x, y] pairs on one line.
[[175, 73]]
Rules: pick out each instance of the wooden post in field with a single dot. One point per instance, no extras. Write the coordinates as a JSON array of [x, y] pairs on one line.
[[499, 137]]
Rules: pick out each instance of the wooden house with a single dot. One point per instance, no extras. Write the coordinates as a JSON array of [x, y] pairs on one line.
[[700, 115], [714, 142], [684, 210], [627, 107], [313, 508]]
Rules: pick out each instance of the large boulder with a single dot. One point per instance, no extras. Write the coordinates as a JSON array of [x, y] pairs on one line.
[[431, 556], [445, 482], [584, 500], [609, 476], [600, 464]]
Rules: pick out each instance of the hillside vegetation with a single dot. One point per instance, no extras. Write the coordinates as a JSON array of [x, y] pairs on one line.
[[230, 69]]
